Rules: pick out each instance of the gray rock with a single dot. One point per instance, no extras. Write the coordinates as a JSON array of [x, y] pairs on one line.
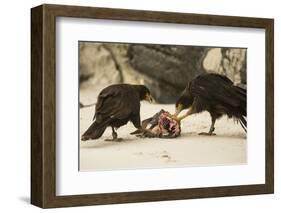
[[168, 69]]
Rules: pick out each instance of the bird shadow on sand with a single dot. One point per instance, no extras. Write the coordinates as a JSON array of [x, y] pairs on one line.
[[234, 136], [103, 143], [230, 136]]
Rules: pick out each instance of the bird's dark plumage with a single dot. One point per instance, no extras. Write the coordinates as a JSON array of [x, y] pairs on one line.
[[216, 94], [116, 105]]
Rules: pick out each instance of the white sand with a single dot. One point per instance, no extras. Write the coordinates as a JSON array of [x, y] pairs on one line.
[[228, 147]]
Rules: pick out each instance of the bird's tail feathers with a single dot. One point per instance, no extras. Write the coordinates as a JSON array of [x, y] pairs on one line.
[[243, 123], [242, 95], [95, 131], [241, 90]]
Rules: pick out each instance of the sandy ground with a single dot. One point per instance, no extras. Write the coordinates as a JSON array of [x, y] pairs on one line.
[[228, 147]]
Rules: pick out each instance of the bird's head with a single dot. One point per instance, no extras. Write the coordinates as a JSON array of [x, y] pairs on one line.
[[184, 102], [145, 93]]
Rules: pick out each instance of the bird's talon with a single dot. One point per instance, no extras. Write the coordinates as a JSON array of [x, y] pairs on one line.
[[138, 131]]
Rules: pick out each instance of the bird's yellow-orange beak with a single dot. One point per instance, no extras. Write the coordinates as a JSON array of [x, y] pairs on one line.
[[148, 98], [179, 108]]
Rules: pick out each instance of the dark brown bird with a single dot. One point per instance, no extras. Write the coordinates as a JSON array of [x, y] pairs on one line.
[[116, 105], [216, 94]]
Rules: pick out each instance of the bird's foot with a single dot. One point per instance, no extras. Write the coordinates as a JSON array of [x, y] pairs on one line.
[[207, 133], [146, 134], [143, 133], [138, 131]]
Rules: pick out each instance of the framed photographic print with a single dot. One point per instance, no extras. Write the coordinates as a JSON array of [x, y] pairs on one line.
[[136, 106]]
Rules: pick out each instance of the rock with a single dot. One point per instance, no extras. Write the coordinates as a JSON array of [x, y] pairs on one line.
[[230, 62], [96, 64], [167, 69], [105, 64]]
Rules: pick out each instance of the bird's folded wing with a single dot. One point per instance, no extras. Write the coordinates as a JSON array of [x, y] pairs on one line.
[[116, 104], [216, 89]]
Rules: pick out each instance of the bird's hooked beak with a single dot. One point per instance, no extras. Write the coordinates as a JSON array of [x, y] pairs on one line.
[[148, 97], [179, 108]]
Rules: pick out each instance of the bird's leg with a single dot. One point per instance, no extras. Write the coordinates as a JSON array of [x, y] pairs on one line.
[[212, 128], [114, 136], [137, 124]]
